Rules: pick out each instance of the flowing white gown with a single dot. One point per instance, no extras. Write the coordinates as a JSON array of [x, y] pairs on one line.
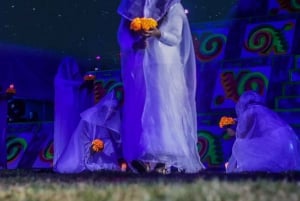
[[101, 121], [70, 100], [264, 142], [159, 114]]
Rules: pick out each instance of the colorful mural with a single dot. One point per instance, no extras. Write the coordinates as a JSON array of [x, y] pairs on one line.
[[105, 82], [29, 145], [209, 44], [262, 54], [267, 38], [232, 83]]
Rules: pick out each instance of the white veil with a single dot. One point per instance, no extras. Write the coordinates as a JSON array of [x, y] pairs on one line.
[[69, 101], [101, 121]]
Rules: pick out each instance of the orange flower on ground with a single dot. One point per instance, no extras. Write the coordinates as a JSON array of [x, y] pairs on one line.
[[143, 24], [97, 145], [226, 121], [89, 77]]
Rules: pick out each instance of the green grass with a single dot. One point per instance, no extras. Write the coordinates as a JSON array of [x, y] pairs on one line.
[[89, 187]]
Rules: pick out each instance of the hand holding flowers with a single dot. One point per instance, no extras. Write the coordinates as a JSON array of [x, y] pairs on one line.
[[146, 26], [143, 24], [227, 122]]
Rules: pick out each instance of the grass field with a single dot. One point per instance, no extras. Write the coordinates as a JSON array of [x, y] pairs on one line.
[[31, 185]]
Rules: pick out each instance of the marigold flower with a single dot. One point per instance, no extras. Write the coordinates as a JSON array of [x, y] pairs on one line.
[[136, 24], [97, 145], [226, 121], [148, 24], [143, 24]]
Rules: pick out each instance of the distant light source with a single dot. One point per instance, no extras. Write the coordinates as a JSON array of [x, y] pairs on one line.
[[123, 167], [11, 89], [98, 57], [186, 11]]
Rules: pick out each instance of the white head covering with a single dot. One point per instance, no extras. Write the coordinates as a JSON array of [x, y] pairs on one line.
[[69, 70], [156, 9], [246, 99]]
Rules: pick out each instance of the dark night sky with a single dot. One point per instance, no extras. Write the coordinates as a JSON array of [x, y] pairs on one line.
[[81, 28]]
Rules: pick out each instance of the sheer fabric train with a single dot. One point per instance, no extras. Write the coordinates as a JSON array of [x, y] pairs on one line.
[[69, 101], [101, 121], [264, 142]]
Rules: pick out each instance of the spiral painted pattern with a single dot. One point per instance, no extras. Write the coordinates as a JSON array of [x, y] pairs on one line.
[[209, 148], [15, 146], [255, 81], [209, 46], [236, 84], [260, 41], [46, 155], [264, 39]]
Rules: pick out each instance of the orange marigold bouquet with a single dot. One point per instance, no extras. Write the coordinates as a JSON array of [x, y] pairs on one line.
[[226, 121], [97, 145], [143, 24]]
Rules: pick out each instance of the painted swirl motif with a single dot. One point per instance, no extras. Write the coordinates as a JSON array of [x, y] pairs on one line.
[[290, 5], [209, 46], [235, 84], [229, 85], [47, 153], [265, 39], [15, 146], [210, 149], [255, 81]]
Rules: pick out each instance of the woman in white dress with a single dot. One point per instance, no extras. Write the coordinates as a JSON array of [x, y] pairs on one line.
[[264, 141], [159, 75], [100, 122], [70, 100]]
